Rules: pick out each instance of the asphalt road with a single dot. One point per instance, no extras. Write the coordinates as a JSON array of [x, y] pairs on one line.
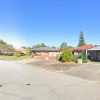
[[21, 82]]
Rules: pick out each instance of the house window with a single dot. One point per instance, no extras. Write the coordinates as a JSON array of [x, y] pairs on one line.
[[45, 52], [38, 52]]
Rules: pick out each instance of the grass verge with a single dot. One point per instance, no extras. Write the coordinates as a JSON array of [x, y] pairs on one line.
[[12, 58]]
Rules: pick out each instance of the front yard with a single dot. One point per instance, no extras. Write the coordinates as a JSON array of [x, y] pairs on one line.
[[12, 58], [53, 65]]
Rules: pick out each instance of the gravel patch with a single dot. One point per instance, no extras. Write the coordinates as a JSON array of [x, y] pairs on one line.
[[58, 66]]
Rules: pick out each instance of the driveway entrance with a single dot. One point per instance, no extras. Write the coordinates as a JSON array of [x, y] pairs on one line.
[[90, 71]]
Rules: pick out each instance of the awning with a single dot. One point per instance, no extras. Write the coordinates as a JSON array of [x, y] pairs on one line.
[[95, 49]]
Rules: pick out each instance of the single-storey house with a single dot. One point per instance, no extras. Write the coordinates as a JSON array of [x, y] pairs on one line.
[[78, 50], [95, 53], [92, 51], [45, 51], [20, 49]]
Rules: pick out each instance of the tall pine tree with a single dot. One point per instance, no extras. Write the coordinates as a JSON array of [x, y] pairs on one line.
[[81, 40]]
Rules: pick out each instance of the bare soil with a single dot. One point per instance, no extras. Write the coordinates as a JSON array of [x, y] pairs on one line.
[[58, 66]]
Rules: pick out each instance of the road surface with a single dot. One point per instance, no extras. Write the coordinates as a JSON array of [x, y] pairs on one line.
[[21, 82]]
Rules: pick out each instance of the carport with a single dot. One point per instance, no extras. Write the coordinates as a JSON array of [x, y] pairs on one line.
[[95, 53]]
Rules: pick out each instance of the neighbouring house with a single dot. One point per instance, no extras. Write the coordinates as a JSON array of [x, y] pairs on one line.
[[95, 53], [45, 52], [21, 49], [77, 50], [92, 51]]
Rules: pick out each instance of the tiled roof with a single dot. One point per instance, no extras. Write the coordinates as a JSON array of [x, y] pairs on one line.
[[85, 47], [45, 49], [20, 49]]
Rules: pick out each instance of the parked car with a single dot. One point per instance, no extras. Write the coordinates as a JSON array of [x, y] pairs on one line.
[[22, 54]]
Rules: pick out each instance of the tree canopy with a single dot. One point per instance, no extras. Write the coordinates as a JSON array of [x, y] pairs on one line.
[[63, 45], [39, 45], [81, 40], [2, 42], [54, 47], [4, 47]]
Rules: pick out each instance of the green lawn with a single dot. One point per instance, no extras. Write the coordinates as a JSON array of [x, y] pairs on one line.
[[14, 57]]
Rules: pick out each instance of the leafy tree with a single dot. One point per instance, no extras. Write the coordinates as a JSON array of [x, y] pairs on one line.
[[27, 51], [5, 48], [54, 47], [42, 45], [23, 47], [66, 55], [69, 47], [2, 42], [63, 45], [39, 45], [81, 40]]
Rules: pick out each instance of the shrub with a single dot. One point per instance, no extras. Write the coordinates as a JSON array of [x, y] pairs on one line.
[[66, 55], [74, 58], [83, 57], [17, 54], [9, 54]]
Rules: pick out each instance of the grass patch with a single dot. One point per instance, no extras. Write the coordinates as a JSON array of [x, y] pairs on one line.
[[14, 57]]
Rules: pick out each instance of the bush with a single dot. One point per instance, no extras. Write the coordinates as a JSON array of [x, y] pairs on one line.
[[83, 57], [9, 54], [66, 55], [74, 58], [17, 54]]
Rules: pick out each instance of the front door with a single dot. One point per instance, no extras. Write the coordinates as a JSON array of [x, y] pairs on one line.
[[99, 56]]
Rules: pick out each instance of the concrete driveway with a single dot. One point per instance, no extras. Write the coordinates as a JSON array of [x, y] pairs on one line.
[[21, 82], [89, 71]]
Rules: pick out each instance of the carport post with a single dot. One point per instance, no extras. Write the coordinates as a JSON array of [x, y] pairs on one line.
[[95, 55], [86, 55]]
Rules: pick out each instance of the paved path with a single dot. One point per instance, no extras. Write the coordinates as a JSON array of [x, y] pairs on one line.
[[90, 71], [21, 82]]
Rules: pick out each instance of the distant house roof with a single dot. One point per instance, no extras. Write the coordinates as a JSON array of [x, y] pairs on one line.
[[20, 49], [96, 49], [85, 47], [45, 49]]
